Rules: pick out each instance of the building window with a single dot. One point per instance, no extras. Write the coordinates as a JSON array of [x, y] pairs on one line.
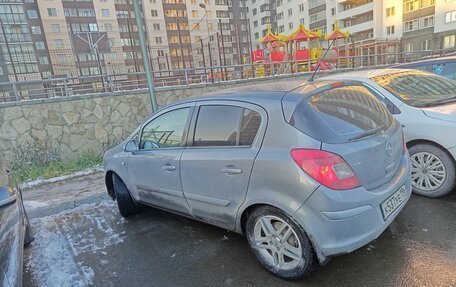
[[156, 26], [390, 11], [333, 11], [408, 47], [32, 14], [450, 17], [105, 12], [390, 30], [410, 5], [301, 7], [411, 25], [426, 3], [426, 22], [257, 35], [55, 28], [449, 42], [154, 13], [52, 12], [425, 45], [290, 26], [158, 40], [40, 46], [58, 43], [43, 60], [281, 28], [36, 30], [254, 11], [195, 13], [255, 23], [302, 21], [108, 27], [290, 12]]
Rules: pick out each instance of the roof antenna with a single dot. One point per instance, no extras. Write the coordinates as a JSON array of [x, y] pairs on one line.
[[319, 63]]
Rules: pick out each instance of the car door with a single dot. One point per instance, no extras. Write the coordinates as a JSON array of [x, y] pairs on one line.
[[215, 168], [154, 168], [10, 231]]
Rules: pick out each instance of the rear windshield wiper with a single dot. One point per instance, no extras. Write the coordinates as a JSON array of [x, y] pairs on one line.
[[367, 133]]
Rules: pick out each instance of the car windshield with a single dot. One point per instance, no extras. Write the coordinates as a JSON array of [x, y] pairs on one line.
[[417, 88]]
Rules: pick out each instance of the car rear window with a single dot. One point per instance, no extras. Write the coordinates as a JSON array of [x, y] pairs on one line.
[[418, 89], [340, 114]]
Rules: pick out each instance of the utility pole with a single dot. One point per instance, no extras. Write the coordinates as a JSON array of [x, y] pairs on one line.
[[73, 45], [210, 59], [180, 43], [133, 52], [220, 55], [9, 51], [149, 76], [239, 44], [167, 64], [223, 45], [204, 58]]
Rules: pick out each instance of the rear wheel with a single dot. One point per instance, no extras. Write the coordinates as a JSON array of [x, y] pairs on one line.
[[279, 243], [433, 170], [126, 204]]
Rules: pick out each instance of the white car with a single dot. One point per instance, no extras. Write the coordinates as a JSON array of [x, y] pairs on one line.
[[425, 105]]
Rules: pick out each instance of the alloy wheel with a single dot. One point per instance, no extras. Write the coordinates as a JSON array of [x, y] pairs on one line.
[[428, 171], [277, 242]]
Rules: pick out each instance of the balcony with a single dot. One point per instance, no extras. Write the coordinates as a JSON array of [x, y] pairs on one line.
[[355, 28], [369, 7]]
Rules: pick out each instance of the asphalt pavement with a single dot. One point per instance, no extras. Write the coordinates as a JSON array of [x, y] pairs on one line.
[[81, 240]]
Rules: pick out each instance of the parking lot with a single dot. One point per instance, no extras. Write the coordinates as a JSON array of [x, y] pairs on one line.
[[92, 245]]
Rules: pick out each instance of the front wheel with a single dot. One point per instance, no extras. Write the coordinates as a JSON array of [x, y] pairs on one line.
[[279, 243], [433, 170], [125, 202]]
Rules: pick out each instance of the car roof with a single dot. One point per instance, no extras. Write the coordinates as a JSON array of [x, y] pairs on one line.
[[364, 74], [427, 61], [258, 92]]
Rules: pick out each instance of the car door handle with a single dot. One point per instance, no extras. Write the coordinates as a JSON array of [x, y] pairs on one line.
[[231, 170], [169, 167]]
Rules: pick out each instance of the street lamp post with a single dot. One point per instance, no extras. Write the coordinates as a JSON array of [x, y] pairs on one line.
[[202, 5]]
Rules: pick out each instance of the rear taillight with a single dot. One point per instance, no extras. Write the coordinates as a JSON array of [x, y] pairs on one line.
[[327, 168]]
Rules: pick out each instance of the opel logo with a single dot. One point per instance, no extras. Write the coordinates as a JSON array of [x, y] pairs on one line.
[[389, 149]]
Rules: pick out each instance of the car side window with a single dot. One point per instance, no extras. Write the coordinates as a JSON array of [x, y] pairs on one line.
[[219, 125], [447, 70], [165, 131]]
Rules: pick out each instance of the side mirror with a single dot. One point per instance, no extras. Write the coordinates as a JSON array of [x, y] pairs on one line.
[[7, 196], [131, 146]]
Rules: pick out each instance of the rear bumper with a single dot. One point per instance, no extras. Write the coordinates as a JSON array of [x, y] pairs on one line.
[[339, 222]]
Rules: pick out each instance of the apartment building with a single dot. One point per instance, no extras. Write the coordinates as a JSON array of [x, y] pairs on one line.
[[21, 42], [429, 25], [63, 38], [377, 26]]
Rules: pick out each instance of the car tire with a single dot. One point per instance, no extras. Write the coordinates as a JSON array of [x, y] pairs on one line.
[[433, 170], [126, 204], [273, 250], [28, 236]]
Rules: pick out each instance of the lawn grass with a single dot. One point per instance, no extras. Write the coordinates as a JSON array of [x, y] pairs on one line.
[[54, 168]]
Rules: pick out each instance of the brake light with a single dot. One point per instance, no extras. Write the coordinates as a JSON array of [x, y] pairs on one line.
[[327, 168]]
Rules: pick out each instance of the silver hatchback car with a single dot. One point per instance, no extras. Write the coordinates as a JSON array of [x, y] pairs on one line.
[[306, 172]]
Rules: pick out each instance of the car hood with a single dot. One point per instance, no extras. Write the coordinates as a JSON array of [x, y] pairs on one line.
[[445, 112]]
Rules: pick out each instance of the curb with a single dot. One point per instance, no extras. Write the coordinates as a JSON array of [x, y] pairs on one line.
[[39, 182]]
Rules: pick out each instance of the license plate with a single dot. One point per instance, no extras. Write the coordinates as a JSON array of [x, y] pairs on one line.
[[393, 202]]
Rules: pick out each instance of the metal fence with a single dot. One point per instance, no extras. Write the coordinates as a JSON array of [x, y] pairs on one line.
[[66, 87]]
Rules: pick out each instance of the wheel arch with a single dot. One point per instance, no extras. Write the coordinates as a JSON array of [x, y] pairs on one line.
[[429, 142], [322, 259], [110, 184]]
